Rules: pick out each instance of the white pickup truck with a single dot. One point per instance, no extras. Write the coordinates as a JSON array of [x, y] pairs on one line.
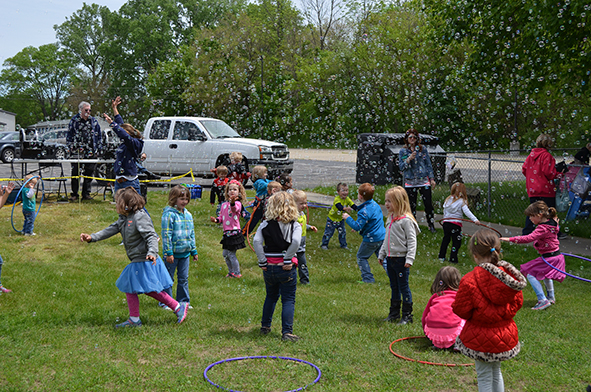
[[174, 145]]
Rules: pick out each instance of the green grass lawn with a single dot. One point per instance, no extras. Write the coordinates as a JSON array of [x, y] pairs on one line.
[[56, 328]]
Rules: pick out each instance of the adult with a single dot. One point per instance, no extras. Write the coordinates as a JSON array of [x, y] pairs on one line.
[[539, 170], [370, 224], [128, 153], [415, 164], [582, 156], [84, 141]]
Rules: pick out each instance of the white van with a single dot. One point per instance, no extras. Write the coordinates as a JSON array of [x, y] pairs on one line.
[[174, 145]]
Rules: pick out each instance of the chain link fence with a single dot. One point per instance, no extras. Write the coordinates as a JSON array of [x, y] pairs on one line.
[[497, 188]]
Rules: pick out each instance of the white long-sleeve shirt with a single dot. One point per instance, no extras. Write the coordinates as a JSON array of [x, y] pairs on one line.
[[455, 209]]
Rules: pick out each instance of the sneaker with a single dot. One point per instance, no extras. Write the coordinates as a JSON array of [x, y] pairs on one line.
[[344, 248], [129, 323], [432, 229], [238, 276], [324, 247], [441, 259], [163, 306], [230, 275], [552, 300], [87, 197], [542, 305], [181, 312], [290, 337], [265, 330], [4, 289], [190, 307], [562, 236]]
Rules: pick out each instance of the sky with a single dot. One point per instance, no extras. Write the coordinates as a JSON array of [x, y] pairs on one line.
[[30, 22]]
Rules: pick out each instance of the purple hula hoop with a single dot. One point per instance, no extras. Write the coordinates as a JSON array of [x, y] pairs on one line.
[[566, 273], [262, 357]]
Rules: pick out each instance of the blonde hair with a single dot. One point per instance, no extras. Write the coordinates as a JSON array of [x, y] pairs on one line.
[[458, 191], [540, 207], [235, 156], [258, 172], [176, 192], [134, 133], [127, 201], [299, 195], [273, 185], [545, 141], [447, 278], [241, 190], [221, 170], [399, 199], [28, 177], [282, 207], [486, 244]]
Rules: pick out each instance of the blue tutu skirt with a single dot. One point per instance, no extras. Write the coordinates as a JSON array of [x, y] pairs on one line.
[[140, 278]]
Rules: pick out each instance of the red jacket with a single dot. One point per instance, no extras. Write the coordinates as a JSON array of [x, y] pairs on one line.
[[488, 298], [539, 171]]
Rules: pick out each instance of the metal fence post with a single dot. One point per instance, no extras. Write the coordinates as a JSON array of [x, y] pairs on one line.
[[489, 183]]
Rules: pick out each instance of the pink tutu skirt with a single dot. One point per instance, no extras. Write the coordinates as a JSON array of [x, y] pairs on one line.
[[540, 270], [443, 337]]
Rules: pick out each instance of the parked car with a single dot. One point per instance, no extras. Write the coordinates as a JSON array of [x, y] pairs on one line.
[[175, 145], [34, 146], [55, 136], [9, 146]]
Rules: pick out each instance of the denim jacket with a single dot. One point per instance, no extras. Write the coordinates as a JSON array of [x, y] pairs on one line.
[[419, 170]]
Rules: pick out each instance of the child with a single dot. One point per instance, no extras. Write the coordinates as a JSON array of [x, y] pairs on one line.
[[29, 205], [488, 298], [281, 235], [440, 324], [334, 220], [301, 201], [454, 207], [229, 217], [5, 191], [146, 273], [178, 240], [370, 224], [218, 186], [545, 239], [399, 250], [286, 182], [128, 152], [236, 169], [259, 176]]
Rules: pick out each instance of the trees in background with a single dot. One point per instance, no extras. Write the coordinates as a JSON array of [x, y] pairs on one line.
[[476, 74]]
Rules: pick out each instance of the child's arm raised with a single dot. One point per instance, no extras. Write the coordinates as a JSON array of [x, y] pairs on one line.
[[6, 191]]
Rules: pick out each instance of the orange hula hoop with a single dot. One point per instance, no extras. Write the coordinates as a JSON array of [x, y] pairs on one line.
[[424, 362], [469, 221]]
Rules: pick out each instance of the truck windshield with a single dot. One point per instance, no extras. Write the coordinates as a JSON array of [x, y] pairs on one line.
[[219, 129]]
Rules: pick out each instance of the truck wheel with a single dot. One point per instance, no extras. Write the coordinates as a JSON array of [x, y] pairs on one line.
[[7, 155]]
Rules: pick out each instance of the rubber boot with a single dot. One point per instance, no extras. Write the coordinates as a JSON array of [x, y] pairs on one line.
[[394, 314], [406, 313]]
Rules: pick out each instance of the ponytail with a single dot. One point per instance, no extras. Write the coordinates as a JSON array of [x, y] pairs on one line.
[[486, 245]]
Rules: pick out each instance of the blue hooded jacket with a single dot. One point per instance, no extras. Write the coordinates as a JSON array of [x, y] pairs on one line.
[[370, 222]]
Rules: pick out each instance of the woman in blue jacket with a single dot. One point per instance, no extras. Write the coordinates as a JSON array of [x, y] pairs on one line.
[[370, 224], [415, 164]]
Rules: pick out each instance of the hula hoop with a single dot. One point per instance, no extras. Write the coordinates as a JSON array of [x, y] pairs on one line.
[[262, 357], [16, 198], [468, 220], [566, 273], [424, 362]]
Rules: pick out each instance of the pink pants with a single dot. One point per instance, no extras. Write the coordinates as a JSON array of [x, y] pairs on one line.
[[133, 302]]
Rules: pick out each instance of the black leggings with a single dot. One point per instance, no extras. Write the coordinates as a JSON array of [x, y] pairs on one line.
[[453, 233], [426, 195]]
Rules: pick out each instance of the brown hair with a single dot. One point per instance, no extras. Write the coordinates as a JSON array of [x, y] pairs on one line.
[[221, 170], [127, 201], [236, 156], [486, 244], [366, 190], [412, 131], [258, 172], [341, 185], [134, 133], [176, 192], [284, 179], [447, 278], [545, 141], [273, 185], [540, 207], [458, 191]]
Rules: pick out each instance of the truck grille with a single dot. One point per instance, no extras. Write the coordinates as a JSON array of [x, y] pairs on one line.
[[280, 152]]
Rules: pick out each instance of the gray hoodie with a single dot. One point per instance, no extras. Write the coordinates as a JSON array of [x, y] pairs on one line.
[[139, 237], [401, 239]]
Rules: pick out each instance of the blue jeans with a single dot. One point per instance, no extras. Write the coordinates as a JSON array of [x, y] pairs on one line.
[[366, 249], [279, 282], [303, 272], [398, 275], [490, 378], [135, 184], [29, 222], [181, 265], [331, 226]]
